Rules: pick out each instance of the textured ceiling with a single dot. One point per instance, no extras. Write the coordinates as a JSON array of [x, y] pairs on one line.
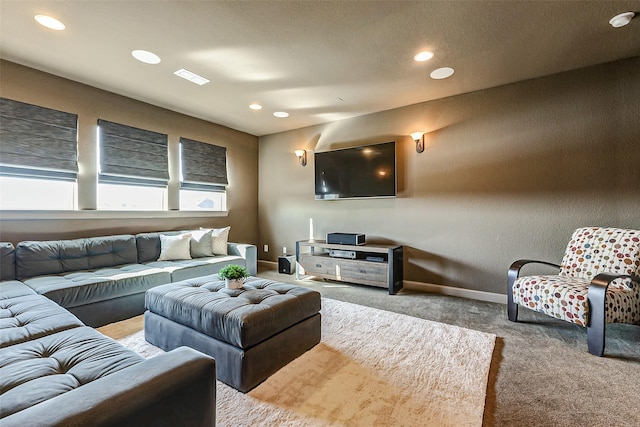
[[318, 60]]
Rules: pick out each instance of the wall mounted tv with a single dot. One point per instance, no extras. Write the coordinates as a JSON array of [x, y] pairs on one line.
[[357, 172]]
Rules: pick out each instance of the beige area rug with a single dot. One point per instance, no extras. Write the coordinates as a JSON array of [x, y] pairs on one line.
[[372, 368]]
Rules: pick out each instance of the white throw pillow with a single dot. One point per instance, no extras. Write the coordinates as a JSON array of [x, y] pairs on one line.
[[201, 243], [174, 247], [219, 238]]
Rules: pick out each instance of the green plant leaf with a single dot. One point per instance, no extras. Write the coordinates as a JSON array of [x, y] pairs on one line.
[[233, 271]]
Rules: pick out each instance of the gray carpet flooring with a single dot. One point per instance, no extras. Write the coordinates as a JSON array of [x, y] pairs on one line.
[[541, 373]]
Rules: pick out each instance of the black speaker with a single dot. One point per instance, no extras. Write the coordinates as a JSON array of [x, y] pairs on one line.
[[353, 239], [287, 264]]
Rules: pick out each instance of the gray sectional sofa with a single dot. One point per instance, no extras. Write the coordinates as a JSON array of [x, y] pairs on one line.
[[56, 371], [103, 279]]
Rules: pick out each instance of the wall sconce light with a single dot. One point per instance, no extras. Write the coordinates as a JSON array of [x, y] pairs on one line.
[[418, 137], [622, 19], [302, 157]]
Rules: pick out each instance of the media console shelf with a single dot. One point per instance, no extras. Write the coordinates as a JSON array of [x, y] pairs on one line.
[[375, 265]]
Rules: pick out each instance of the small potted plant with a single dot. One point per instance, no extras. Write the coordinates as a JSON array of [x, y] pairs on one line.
[[233, 275]]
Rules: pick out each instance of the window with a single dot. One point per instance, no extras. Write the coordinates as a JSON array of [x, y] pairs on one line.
[[19, 193], [113, 197], [38, 157], [202, 200], [133, 168], [203, 176]]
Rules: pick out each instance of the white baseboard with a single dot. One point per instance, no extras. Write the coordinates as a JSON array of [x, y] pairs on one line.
[[435, 289], [455, 292]]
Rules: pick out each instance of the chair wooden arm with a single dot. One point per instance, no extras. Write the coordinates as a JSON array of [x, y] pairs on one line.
[[512, 275], [596, 297], [517, 265]]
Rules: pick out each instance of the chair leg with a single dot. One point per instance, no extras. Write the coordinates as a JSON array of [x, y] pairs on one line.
[[595, 340], [512, 307], [597, 320]]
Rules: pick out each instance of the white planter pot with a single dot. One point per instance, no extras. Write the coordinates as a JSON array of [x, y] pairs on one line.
[[234, 283]]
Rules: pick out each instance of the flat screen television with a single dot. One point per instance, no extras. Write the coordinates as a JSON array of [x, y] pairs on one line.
[[356, 172]]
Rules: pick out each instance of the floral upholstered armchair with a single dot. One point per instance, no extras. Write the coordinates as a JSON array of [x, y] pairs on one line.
[[598, 283]]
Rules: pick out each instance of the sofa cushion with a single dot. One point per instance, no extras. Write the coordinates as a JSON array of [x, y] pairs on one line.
[[7, 261], [172, 389], [86, 287], [37, 258], [14, 288], [40, 369], [188, 269], [30, 317], [241, 317]]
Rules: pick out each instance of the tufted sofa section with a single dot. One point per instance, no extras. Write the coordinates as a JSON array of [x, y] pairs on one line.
[[29, 317], [148, 245], [40, 369], [54, 371], [103, 279]]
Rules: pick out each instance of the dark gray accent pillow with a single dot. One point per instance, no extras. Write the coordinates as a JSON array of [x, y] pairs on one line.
[[148, 245]]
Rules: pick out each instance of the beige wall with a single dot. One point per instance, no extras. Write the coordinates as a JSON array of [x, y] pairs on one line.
[[508, 173], [31, 86]]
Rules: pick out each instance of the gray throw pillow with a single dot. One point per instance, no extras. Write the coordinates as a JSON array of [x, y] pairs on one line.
[[201, 243]]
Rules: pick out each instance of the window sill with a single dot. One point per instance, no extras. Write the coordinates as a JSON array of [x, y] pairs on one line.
[[91, 214]]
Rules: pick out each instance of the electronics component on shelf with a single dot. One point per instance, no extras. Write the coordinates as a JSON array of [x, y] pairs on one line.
[[338, 253], [354, 239]]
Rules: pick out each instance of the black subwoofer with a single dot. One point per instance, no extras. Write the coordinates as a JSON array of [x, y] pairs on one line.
[[287, 264]]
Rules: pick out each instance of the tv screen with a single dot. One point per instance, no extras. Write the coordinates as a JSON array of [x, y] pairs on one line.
[[366, 171]]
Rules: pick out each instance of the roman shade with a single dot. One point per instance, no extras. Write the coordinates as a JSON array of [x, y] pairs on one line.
[[133, 156], [37, 141], [204, 166]]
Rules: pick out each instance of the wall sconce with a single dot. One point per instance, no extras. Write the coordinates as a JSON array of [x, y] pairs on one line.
[[418, 137], [622, 19], [302, 156]]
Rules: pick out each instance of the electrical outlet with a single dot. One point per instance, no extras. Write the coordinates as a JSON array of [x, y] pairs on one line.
[[266, 248]]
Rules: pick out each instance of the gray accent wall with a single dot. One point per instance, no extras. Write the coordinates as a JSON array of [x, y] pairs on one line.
[[507, 173]]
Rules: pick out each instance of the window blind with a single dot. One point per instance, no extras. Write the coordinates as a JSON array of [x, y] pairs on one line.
[[37, 141], [204, 166], [130, 155]]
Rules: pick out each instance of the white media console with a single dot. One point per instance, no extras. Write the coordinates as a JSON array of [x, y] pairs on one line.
[[369, 264]]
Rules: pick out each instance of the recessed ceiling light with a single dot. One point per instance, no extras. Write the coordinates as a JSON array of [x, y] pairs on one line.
[[442, 73], [622, 19], [281, 114], [255, 106], [423, 56], [50, 22], [192, 77], [146, 56]]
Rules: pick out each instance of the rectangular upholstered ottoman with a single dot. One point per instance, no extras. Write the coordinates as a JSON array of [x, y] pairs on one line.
[[251, 332]]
